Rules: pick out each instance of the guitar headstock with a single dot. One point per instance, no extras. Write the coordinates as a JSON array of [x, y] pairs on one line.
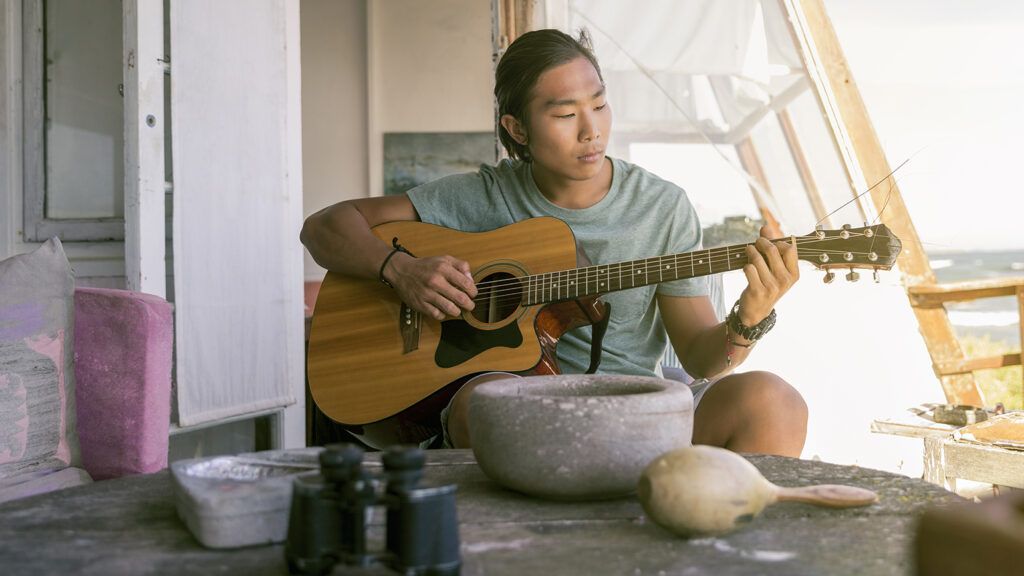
[[869, 247]]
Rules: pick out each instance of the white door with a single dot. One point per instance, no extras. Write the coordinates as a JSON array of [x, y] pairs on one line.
[[237, 210]]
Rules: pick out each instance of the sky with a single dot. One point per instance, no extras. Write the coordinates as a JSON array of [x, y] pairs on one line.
[[943, 81]]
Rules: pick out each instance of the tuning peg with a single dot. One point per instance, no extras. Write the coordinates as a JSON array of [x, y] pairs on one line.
[[852, 276], [829, 277], [874, 273], [847, 226]]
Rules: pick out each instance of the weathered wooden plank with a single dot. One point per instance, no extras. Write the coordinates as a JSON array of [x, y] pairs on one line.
[[935, 464], [1020, 325], [947, 458], [972, 364], [937, 294], [924, 429]]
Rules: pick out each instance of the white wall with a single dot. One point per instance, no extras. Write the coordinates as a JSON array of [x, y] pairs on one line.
[[430, 71], [432, 65], [334, 156], [372, 66]]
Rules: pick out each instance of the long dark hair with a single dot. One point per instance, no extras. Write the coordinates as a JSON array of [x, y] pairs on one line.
[[526, 59]]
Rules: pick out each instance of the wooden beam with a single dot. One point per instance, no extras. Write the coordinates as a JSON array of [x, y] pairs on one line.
[[971, 364], [926, 295], [803, 167], [751, 162], [864, 140], [1020, 327], [840, 97]]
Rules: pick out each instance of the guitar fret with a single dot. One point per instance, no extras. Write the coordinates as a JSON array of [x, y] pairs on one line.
[[574, 283]]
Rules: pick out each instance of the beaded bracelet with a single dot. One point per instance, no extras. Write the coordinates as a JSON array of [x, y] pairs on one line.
[[729, 343], [397, 248]]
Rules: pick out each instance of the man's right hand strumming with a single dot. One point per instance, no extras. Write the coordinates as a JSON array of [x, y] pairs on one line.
[[439, 286]]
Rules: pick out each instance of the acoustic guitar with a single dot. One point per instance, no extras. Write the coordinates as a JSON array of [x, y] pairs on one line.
[[385, 372]]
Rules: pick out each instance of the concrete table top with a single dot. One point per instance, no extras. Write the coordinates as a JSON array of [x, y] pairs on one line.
[[129, 526]]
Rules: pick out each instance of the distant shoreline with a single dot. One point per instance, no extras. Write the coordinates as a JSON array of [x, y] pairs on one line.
[[996, 318]]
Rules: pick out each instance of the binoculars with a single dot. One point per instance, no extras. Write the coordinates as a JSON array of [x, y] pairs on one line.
[[330, 511]]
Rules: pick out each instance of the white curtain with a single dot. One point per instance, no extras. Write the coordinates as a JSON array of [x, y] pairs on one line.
[[237, 210], [720, 64]]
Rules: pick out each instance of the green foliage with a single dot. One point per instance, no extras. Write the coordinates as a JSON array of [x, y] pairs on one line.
[[1001, 384]]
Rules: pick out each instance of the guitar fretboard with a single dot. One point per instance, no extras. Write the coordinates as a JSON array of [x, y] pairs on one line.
[[603, 278]]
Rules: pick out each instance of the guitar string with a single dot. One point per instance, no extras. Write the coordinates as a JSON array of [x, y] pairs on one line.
[[550, 280], [710, 254], [712, 257], [513, 289]]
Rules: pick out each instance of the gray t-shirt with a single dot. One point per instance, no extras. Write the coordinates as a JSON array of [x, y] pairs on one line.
[[641, 216]]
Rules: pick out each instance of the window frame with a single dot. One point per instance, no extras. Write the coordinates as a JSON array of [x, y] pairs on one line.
[[37, 227]]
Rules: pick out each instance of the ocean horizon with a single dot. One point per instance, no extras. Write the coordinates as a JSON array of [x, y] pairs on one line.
[[996, 318]]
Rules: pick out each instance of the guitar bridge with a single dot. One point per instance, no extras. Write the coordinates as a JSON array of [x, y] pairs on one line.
[[409, 325]]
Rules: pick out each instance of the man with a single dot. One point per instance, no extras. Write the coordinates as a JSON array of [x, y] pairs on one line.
[[555, 121]]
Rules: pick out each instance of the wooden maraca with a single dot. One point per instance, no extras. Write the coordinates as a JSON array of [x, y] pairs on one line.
[[702, 490]]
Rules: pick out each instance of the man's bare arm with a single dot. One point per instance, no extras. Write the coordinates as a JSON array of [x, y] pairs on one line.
[[697, 336], [339, 239], [702, 344]]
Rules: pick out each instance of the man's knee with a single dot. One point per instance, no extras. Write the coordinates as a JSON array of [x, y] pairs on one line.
[[768, 392], [458, 416], [762, 414]]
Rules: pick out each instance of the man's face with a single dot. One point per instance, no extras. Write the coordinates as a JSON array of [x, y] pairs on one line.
[[570, 121]]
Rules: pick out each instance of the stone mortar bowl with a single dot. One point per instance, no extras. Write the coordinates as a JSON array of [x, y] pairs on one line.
[[576, 437]]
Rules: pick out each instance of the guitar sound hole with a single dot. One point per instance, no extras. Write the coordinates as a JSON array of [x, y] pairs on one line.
[[498, 297]]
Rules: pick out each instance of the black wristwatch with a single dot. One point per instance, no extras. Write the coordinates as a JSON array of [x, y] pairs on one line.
[[751, 333]]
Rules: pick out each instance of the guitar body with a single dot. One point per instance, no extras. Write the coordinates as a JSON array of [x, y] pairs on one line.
[[385, 372]]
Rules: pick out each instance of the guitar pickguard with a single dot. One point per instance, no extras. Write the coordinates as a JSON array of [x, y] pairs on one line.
[[460, 341]]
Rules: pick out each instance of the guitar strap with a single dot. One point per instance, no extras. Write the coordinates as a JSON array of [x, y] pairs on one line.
[[597, 336]]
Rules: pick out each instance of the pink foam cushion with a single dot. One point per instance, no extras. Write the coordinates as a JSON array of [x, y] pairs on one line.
[[123, 368], [37, 381]]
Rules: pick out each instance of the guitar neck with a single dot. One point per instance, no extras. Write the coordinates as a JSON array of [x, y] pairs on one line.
[[604, 278]]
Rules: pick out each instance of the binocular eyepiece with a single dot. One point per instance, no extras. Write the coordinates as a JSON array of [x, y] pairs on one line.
[[330, 511]]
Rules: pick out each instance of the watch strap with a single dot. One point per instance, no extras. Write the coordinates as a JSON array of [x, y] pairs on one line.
[[751, 333]]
